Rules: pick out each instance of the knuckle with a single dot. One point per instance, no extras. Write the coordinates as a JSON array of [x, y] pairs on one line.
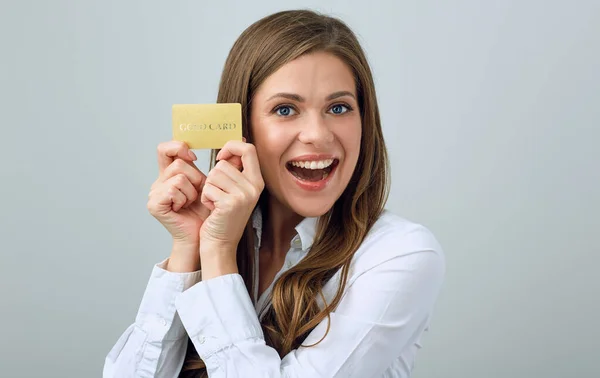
[[198, 179], [179, 164], [168, 172], [210, 178], [151, 206], [254, 193], [219, 166], [243, 197], [180, 179]]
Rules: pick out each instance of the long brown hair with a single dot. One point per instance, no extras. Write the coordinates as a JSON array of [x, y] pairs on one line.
[[262, 48]]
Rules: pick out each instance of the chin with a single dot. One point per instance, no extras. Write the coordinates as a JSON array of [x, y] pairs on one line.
[[310, 207]]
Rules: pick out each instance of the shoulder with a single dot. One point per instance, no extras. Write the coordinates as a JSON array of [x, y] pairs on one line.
[[393, 237]]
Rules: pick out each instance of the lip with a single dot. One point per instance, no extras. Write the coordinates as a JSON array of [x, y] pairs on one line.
[[313, 157], [318, 185]]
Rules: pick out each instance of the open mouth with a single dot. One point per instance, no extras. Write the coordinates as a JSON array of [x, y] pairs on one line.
[[312, 171]]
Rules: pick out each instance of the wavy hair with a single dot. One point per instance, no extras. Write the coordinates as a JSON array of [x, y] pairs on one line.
[[262, 49]]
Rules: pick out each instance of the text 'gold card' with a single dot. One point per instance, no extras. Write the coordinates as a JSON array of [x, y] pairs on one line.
[[207, 125]]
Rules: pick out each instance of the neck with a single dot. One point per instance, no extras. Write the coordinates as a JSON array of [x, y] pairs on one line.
[[278, 228]]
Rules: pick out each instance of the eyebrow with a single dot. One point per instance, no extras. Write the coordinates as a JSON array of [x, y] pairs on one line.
[[298, 98]]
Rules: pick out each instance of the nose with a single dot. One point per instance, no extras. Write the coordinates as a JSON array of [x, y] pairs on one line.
[[316, 131]]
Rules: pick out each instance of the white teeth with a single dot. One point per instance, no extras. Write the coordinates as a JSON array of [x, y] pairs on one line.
[[313, 164]]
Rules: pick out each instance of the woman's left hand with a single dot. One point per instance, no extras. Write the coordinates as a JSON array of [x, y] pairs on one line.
[[231, 195]]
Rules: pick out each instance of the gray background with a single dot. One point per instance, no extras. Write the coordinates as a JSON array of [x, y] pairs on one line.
[[491, 113]]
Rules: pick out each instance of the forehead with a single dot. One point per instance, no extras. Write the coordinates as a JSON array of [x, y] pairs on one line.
[[315, 74]]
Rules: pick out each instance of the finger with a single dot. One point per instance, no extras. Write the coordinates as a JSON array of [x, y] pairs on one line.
[[167, 151], [221, 180], [230, 170], [178, 198], [199, 208], [171, 197], [236, 162], [184, 185], [180, 166], [247, 152], [211, 195]]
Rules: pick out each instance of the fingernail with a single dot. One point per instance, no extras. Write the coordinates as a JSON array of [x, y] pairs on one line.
[[192, 155]]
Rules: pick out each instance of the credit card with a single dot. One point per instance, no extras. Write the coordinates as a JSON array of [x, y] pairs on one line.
[[204, 126]]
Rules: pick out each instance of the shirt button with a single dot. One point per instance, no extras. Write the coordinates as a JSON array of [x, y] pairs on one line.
[[288, 264], [296, 242], [201, 339], [163, 322]]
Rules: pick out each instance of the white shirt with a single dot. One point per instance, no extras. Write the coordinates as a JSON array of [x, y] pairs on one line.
[[375, 331]]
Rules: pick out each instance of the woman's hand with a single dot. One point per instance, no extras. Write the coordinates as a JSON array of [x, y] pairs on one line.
[[231, 195], [172, 199]]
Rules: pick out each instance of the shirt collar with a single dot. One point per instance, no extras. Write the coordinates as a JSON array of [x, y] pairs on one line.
[[257, 224], [306, 229]]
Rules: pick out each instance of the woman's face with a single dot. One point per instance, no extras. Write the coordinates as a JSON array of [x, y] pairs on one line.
[[307, 130]]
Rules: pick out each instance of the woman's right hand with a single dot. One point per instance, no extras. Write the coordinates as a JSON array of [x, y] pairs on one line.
[[174, 196]]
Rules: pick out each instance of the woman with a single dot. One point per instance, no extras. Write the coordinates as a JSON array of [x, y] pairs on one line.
[[303, 272]]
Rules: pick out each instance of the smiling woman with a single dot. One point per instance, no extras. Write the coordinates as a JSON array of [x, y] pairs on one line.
[[303, 115], [284, 261]]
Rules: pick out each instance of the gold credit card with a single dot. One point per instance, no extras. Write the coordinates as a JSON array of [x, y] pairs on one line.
[[207, 125]]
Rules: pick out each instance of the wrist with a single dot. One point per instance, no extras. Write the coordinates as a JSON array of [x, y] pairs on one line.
[[217, 260], [184, 258], [214, 247]]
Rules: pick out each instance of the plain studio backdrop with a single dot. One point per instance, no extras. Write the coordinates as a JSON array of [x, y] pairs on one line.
[[491, 113]]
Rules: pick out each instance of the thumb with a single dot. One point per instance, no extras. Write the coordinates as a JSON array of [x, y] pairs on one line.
[[236, 161]]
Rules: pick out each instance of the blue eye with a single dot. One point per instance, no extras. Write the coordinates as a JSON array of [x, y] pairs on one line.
[[284, 111], [339, 109]]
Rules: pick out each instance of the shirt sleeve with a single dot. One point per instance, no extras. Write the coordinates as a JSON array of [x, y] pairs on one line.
[[155, 344], [385, 308]]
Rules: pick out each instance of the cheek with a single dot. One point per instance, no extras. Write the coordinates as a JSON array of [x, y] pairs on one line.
[[350, 139], [269, 142], [265, 133]]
